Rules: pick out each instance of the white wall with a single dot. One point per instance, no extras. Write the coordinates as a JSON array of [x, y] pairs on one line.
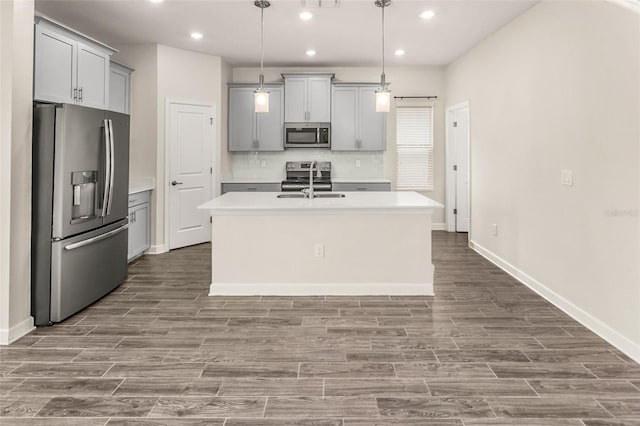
[[163, 73], [405, 81], [16, 74], [559, 88]]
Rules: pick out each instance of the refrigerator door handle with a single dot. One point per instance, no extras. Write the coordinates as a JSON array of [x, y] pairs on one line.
[[96, 239], [107, 168], [111, 165]]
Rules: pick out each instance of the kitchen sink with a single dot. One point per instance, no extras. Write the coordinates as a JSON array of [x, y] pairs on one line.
[[317, 195]]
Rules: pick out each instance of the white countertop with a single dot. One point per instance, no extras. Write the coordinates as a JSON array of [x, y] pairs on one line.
[[251, 180], [360, 180], [141, 184], [256, 203], [334, 180]]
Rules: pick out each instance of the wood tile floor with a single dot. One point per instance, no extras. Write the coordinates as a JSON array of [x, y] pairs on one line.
[[158, 351]]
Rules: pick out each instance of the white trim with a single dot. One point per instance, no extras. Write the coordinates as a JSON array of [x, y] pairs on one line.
[[8, 336], [320, 289], [167, 155], [603, 330], [439, 226], [449, 176], [157, 249]]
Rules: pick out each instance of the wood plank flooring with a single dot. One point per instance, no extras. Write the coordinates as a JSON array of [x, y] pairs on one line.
[[159, 351]]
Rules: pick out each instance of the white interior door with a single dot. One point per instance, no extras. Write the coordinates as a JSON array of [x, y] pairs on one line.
[[458, 208], [461, 138], [191, 138]]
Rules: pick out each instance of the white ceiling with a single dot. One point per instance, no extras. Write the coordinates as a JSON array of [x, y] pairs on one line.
[[346, 35]]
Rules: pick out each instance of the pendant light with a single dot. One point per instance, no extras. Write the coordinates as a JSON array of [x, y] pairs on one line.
[[262, 94], [383, 94]]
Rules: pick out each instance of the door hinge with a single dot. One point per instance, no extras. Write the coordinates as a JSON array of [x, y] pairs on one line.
[[455, 124], [210, 170], [455, 167], [210, 219], [211, 120], [455, 211]]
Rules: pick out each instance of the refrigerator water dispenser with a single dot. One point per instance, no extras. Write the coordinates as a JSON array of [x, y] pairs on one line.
[[84, 195]]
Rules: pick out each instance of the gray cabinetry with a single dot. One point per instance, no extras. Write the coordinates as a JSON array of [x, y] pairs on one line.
[[139, 224], [69, 67], [362, 186], [250, 187], [119, 87], [355, 124], [307, 98], [255, 131]]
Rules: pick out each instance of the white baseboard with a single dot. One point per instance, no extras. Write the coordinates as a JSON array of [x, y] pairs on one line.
[[157, 249], [8, 336], [438, 226], [603, 330], [321, 289]]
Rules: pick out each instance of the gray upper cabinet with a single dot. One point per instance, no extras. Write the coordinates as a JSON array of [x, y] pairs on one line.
[[355, 124], [307, 98], [119, 87], [69, 67], [255, 131]]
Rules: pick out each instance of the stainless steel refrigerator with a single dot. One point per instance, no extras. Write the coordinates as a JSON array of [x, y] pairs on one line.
[[79, 218]]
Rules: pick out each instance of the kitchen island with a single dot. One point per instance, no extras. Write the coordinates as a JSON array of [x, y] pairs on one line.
[[362, 243]]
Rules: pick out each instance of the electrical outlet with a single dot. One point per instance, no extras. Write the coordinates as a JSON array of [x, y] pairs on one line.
[[263, 163], [495, 229], [358, 163], [566, 177], [318, 250]]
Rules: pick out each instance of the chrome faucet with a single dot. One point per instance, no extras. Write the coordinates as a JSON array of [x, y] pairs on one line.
[[309, 192]]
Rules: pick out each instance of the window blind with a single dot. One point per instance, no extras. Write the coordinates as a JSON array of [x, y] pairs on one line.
[[414, 148]]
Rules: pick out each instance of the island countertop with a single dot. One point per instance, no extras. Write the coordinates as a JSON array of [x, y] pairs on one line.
[[260, 203]]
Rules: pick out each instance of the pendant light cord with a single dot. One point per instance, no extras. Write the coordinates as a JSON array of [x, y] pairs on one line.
[[261, 47], [383, 6]]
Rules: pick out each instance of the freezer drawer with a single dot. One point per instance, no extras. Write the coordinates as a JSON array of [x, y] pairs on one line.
[[87, 267]]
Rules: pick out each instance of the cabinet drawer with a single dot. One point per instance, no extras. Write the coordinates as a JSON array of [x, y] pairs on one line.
[[139, 198], [363, 186], [251, 187]]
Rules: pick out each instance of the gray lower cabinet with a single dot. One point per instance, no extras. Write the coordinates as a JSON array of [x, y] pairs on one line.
[[362, 186], [355, 124], [139, 224], [251, 187], [255, 131]]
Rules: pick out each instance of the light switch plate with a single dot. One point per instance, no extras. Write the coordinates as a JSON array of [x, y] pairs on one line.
[[263, 163], [358, 163], [566, 177]]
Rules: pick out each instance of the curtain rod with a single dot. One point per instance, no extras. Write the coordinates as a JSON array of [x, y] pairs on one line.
[[415, 97]]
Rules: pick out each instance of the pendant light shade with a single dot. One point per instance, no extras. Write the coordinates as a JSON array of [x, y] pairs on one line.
[[383, 100], [383, 94], [262, 94]]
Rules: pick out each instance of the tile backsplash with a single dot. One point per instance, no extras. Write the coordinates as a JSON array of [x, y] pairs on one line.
[[267, 165]]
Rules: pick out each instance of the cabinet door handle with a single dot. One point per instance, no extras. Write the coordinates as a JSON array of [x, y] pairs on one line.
[[75, 93], [80, 94]]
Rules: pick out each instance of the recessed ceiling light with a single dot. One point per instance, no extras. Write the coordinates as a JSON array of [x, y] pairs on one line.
[[156, 1], [196, 36], [310, 52], [399, 52], [305, 16], [427, 14]]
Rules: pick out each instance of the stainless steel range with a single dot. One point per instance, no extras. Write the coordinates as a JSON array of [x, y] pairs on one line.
[[298, 175]]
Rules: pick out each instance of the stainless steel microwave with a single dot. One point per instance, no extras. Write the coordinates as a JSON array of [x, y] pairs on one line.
[[307, 135]]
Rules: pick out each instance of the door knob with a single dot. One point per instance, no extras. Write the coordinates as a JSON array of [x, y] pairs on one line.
[[175, 182]]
